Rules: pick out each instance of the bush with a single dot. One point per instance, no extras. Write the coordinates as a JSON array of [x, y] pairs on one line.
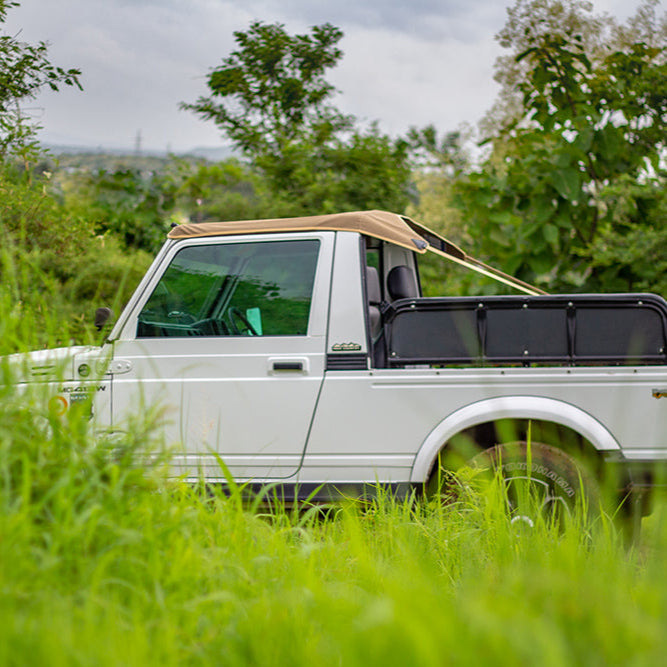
[[54, 271]]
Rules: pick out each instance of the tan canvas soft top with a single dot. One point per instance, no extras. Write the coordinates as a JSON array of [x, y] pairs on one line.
[[397, 229], [379, 224]]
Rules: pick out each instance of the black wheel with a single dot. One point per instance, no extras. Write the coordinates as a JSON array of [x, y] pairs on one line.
[[234, 314], [539, 480]]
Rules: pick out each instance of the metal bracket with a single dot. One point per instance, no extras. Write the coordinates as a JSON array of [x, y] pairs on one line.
[[120, 366]]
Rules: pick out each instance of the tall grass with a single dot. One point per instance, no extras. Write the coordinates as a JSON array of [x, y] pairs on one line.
[[103, 561]]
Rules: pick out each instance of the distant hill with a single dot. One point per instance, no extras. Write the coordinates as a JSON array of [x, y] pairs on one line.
[[210, 153], [64, 158]]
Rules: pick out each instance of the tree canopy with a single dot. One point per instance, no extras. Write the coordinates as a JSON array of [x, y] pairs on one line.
[[271, 90], [271, 98], [578, 169], [25, 69]]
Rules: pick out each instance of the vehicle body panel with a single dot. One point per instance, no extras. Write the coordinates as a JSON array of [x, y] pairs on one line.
[[246, 399], [407, 415]]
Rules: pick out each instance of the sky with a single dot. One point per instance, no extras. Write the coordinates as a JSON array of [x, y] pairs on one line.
[[405, 63]]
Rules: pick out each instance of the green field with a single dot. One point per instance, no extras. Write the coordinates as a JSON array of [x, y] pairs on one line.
[[104, 562]]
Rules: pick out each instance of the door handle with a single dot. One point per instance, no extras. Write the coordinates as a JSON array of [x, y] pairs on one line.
[[280, 365], [287, 365]]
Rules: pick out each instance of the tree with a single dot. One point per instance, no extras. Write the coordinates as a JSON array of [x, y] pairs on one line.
[[588, 126], [362, 170], [628, 253], [132, 204], [528, 21], [271, 91], [271, 98], [437, 162], [218, 191], [24, 71], [430, 152]]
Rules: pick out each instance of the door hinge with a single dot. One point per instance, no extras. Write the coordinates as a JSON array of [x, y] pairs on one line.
[[120, 366]]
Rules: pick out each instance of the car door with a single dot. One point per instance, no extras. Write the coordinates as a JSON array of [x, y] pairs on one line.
[[230, 344]]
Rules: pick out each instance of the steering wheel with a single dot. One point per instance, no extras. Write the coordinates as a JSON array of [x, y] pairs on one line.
[[210, 327], [234, 313]]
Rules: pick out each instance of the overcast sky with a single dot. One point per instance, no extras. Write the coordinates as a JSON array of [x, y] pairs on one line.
[[406, 62]]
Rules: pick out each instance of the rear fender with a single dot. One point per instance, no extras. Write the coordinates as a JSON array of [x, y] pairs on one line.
[[509, 407]]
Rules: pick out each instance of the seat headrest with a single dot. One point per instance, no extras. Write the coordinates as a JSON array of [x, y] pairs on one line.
[[401, 283]]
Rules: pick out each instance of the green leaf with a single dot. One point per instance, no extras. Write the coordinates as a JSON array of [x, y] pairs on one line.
[[610, 142], [584, 139], [563, 159], [543, 209], [541, 263], [500, 237], [500, 217], [551, 235], [568, 183]]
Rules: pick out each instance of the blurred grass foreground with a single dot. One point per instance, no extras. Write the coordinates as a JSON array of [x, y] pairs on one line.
[[103, 561]]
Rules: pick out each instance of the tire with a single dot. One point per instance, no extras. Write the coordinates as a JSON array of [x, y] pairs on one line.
[[538, 480]]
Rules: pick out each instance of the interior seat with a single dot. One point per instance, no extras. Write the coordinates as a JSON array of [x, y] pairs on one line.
[[374, 295], [402, 283]]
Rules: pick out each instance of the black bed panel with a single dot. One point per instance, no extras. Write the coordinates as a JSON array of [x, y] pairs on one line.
[[564, 329]]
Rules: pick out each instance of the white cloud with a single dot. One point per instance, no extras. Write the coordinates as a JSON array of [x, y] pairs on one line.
[[451, 83], [426, 61]]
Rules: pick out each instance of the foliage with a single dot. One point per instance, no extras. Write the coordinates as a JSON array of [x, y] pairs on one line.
[[218, 191], [105, 275], [133, 205], [363, 171], [29, 214], [439, 162], [104, 561], [24, 70], [445, 154], [628, 253], [271, 91], [529, 21], [271, 99], [548, 190], [53, 269]]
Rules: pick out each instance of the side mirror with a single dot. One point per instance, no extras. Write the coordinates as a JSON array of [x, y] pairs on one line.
[[102, 316]]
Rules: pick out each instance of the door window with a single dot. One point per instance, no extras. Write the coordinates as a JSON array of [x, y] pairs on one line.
[[234, 289]]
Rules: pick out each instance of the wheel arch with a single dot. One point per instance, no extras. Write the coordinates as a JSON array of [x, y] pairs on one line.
[[484, 411]]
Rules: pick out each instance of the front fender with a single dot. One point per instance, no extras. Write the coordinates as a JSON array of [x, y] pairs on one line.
[[510, 407]]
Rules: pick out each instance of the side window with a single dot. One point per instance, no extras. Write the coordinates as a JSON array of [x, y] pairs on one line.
[[234, 289]]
